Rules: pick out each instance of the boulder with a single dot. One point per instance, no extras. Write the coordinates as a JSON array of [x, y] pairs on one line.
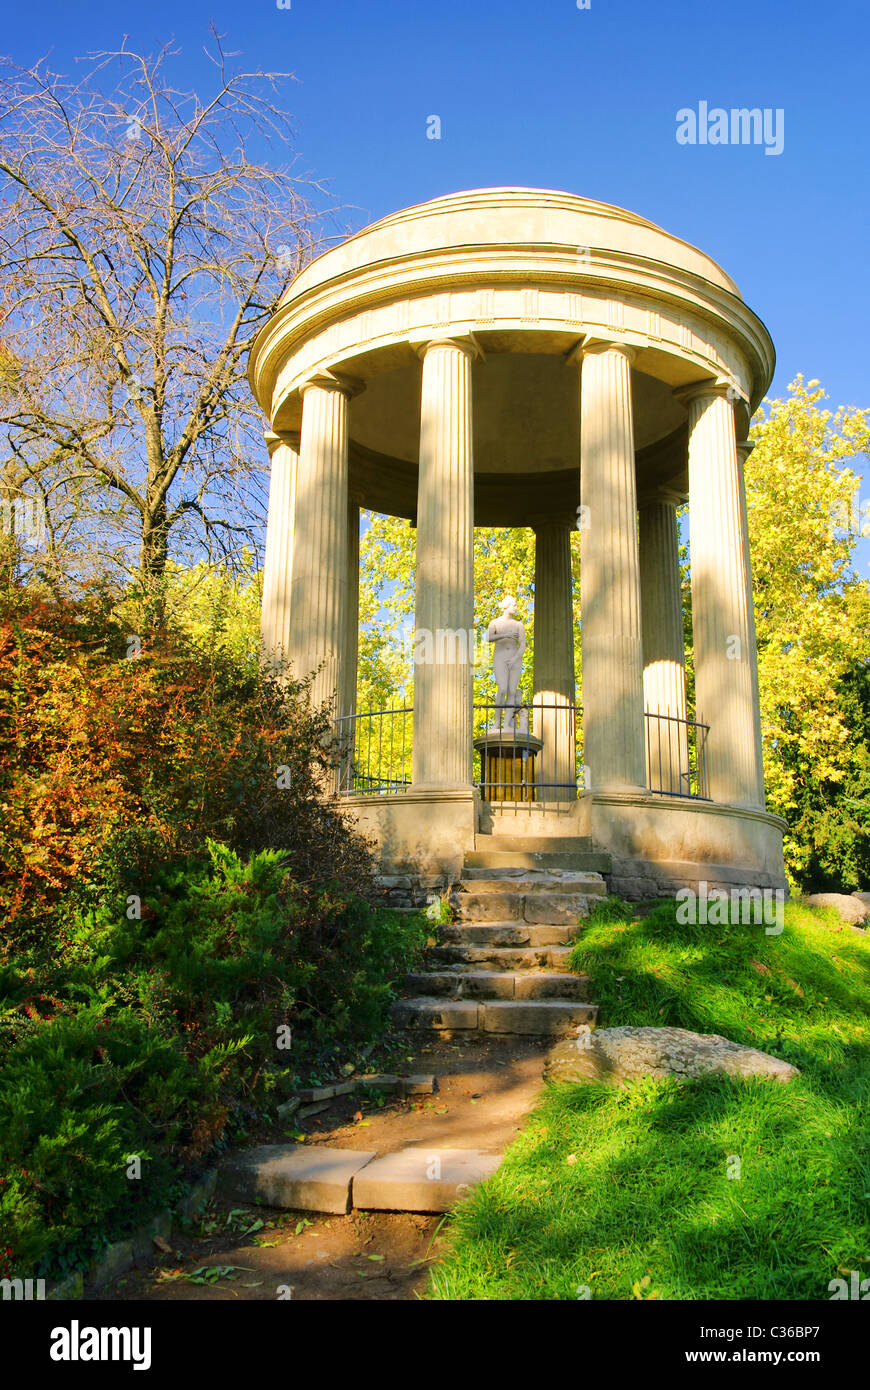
[[618, 1055], [850, 906]]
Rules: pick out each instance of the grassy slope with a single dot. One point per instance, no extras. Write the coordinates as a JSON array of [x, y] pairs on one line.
[[609, 1187]]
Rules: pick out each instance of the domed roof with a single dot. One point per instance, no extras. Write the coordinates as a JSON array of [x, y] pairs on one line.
[[498, 217]]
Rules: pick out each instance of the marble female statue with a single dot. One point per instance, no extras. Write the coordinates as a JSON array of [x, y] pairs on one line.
[[509, 642]]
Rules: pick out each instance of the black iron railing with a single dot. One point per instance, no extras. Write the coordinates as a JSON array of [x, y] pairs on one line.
[[529, 753], [524, 754], [676, 761], [374, 752]]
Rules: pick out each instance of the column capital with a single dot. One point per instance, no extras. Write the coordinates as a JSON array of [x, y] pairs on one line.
[[594, 347], [563, 520], [465, 342], [671, 496], [275, 438], [333, 381], [710, 387]]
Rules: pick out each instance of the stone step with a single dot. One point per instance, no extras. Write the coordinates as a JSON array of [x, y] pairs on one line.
[[500, 957], [296, 1176], [531, 881], [421, 1179], [461, 983], [516, 881], [587, 861], [540, 1017], [546, 908], [508, 934], [543, 844]]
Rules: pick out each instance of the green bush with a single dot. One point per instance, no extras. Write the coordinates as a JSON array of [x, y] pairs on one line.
[[176, 893], [153, 1035]]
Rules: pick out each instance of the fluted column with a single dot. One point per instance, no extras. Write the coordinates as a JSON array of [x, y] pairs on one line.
[[445, 570], [726, 678], [664, 670], [554, 662], [613, 734], [278, 563], [319, 591], [351, 637], [744, 449]]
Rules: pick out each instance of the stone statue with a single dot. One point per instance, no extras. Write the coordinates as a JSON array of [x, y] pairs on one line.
[[509, 638]]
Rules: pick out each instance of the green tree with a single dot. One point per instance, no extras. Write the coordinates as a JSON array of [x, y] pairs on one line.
[[504, 562], [812, 614]]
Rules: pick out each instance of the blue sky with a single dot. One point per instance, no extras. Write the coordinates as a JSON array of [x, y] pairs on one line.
[[545, 94]]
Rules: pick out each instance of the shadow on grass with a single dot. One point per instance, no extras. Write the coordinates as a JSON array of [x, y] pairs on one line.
[[709, 1188]]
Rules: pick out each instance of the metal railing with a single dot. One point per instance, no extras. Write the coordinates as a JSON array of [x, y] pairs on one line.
[[524, 754], [529, 753], [676, 763], [374, 752]]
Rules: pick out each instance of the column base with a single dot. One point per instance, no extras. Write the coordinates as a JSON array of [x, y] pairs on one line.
[[616, 791]]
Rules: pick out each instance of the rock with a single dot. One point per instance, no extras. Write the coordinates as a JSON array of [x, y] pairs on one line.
[[198, 1197], [850, 906], [618, 1055], [158, 1228], [286, 1111], [72, 1287], [115, 1260]]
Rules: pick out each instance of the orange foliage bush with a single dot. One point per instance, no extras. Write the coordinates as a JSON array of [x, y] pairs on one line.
[[152, 753]]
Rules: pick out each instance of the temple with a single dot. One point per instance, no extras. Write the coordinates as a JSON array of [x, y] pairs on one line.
[[517, 357]]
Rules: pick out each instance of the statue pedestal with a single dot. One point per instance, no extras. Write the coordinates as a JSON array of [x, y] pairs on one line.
[[507, 765]]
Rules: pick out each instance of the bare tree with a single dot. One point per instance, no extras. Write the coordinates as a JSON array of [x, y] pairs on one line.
[[143, 246]]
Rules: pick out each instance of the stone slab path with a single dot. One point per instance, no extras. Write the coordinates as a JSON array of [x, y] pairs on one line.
[[485, 1088]]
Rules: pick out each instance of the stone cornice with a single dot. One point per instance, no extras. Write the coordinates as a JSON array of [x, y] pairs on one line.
[[472, 268]]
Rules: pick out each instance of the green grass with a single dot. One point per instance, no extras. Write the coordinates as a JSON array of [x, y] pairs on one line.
[[626, 1192]]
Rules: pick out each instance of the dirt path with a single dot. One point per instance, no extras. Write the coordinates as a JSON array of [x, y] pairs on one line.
[[484, 1088]]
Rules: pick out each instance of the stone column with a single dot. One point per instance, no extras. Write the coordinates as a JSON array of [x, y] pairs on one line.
[[278, 563], [744, 449], [613, 733], [554, 661], [445, 570], [349, 739], [351, 637], [319, 593], [726, 678], [664, 670]]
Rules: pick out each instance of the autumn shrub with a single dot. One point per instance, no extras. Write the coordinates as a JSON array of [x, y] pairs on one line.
[[106, 754], [178, 900]]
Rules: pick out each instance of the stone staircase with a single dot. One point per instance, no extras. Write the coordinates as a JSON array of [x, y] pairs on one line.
[[499, 968]]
